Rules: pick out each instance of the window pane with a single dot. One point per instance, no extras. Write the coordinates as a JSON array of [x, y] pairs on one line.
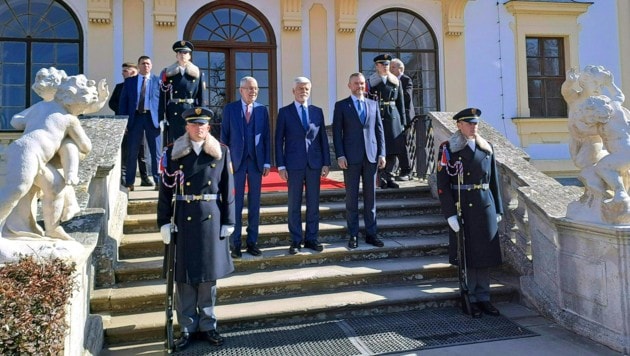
[[531, 49], [534, 88], [13, 52], [533, 67], [243, 60], [43, 53], [14, 95], [552, 66], [535, 107], [551, 48], [260, 60]]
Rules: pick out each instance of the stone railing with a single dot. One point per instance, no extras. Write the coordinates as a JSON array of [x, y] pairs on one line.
[[98, 226], [573, 272]]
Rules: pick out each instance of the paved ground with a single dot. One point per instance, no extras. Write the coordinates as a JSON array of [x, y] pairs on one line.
[[553, 340]]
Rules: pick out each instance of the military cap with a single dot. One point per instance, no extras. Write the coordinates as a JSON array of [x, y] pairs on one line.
[[198, 115], [383, 58], [468, 115], [183, 46]]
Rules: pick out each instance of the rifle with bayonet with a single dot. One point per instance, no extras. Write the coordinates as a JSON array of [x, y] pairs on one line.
[[462, 271]]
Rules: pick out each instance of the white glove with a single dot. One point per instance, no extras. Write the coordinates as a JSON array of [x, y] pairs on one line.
[[165, 231], [499, 218], [452, 222], [227, 230]]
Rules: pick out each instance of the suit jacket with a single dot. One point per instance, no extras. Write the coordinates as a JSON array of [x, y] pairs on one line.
[[233, 133], [407, 88], [129, 98], [352, 139], [297, 148], [114, 100]]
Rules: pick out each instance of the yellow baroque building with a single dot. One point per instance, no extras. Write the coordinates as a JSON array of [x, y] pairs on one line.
[[506, 57]]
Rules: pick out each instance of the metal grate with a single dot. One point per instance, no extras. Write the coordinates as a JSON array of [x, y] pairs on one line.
[[395, 332]]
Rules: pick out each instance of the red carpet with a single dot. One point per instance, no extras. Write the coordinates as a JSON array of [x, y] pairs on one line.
[[273, 183]]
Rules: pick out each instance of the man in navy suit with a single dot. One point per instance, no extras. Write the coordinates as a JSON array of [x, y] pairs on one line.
[[245, 130], [360, 149], [302, 157], [139, 100]]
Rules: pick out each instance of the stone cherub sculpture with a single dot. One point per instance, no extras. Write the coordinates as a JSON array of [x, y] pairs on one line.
[[53, 141], [600, 145]]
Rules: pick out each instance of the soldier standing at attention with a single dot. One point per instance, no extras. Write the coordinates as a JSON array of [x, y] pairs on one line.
[[468, 156], [183, 87], [385, 88]]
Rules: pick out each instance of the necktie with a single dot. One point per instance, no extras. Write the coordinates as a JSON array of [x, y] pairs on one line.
[[361, 110], [304, 118], [143, 91], [248, 114]]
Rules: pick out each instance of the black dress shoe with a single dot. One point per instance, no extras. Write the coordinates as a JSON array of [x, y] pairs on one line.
[[236, 253], [146, 182], [314, 245], [403, 178], [382, 183], [295, 247], [183, 341], [488, 308], [130, 188], [253, 250], [392, 184], [475, 312], [373, 240], [353, 242], [213, 337]]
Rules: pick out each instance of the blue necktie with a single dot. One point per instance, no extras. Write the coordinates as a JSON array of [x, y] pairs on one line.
[[361, 111], [304, 119]]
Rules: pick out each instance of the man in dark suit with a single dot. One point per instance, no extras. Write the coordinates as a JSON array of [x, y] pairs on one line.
[[470, 157], [129, 69], [203, 211], [139, 100], [245, 130], [183, 87], [360, 149], [302, 157], [397, 67]]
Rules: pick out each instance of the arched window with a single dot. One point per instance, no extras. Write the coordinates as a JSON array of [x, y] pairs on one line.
[[407, 36], [233, 39], [34, 34]]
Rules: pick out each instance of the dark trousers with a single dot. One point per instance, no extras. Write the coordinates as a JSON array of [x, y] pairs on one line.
[[248, 171], [195, 306], [364, 172], [478, 284], [142, 126], [309, 179], [142, 164]]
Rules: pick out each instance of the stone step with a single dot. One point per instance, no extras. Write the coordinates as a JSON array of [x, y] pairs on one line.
[[293, 281], [145, 201], [393, 232], [355, 301], [278, 214]]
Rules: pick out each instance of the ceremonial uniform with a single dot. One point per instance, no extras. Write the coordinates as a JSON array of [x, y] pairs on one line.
[[389, 95], [198, 190], [480, 201], [182, 89]]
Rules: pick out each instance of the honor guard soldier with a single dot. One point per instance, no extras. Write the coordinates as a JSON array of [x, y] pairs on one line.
[[197, 196], [385, 88], [183, 87], [468, 185]]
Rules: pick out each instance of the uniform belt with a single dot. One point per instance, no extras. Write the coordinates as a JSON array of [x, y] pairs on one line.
[[393, 103], [181, 101], [143, 112], [193, 197], [483, 186]]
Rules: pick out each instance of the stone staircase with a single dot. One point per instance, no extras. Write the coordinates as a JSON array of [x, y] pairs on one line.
[[410, 272]]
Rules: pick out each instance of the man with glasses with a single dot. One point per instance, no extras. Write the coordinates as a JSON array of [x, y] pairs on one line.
[[245, 130]]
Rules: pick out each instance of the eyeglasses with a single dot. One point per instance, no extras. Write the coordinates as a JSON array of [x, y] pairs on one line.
[[250, 88]]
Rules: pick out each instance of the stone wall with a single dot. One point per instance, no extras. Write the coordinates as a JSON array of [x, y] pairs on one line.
[[573, 272]]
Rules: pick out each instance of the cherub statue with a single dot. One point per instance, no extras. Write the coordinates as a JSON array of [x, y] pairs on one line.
[[600, 141], [53, 139]]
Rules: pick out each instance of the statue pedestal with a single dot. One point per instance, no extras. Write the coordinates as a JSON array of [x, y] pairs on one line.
[[582, 280]]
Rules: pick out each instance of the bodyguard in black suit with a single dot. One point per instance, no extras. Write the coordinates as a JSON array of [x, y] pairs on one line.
[[360, 149], [397, 68], [302, 157], [467, 152]]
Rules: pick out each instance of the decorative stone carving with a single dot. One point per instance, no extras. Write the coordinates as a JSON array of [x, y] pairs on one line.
[[346, 13], [599, 127], [292, 15], [44, 162]]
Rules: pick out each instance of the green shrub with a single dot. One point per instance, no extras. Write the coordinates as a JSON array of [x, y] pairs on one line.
[[33, 299]]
